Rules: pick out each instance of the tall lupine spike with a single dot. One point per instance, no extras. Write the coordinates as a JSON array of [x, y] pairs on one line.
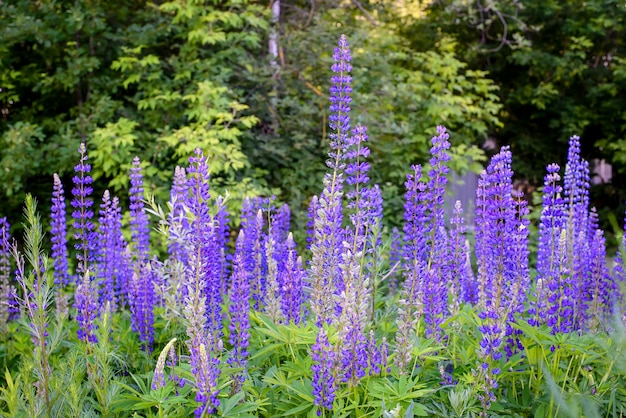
[[109, 255], [204, 279], [410, 303], [222, 234], [203, 343], [328, 213], [280, 231], [620, 273], [354, 356], [560, 312], [292, 284], [355, 300], [273, 295], [5, 272], [239, 308], [252, 225], [139, 223], [495, 230], [142, 305], [82, 214], [457, 278], [602, 288], [576, 195], [58, 232], [257, 276], [323, 372], [177, 217], [85, 300], [435, 294], [551, 222], [518, 282]]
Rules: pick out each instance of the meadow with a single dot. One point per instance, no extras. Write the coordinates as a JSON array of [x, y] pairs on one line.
[[439, 318]]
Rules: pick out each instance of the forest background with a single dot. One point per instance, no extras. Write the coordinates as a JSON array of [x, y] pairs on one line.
[[246, 81]]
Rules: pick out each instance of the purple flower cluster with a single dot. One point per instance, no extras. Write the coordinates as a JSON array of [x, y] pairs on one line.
[[83, 214], [239, 308], [5, 272], [323, 368], [139, 224], [58, 230]]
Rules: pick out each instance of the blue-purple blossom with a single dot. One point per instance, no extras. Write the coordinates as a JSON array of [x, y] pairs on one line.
[[409, 310], [110, 260], [86, 302], [603, 290], [501, 251], [204, 268], [323, 372], [58, 231], [576, 200], [5, 272], [354, 354], [142, 305], [326, 246], [239, 308], [292, 281], [83, 214], [139, 223], [550, 225]]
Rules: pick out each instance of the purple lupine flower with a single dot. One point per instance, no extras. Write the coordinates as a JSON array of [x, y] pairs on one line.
[[110, 249], [252, 225], [323, 378], [206, 369], [177, 217], [256, 274], [312, 214], [576, 197], [560, 312], [603, 290], [426, 248], [280, 231], [5, 272], [204, 265], [414, 255], [280, 225], [339, 119], [203, 343], [518, 281], [326, 246], [239, 308], [395, 260], [292, 284], [139, 223], [83, 214], [501, 250], [550, 225], [58, 225], [459, 281], [374, 355], [273, 294], [142, 305], [222, 234], [357, 177], [354, 359], [620, 275], [85, 300]]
